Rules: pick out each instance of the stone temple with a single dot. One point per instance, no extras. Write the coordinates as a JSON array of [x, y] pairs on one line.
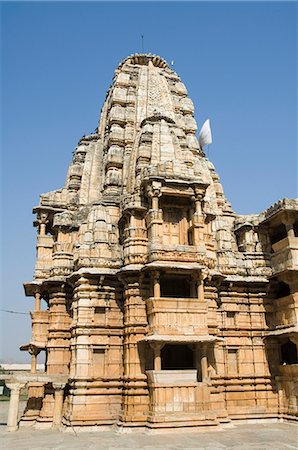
[[155, 303]]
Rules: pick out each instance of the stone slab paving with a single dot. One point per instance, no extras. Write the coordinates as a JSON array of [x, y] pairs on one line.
[[269, 436]]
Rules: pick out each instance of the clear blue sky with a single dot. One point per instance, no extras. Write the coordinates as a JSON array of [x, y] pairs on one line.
[[238, 61]]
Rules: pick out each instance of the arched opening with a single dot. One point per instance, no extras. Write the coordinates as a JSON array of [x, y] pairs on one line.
[[177, 357], [288, 353]]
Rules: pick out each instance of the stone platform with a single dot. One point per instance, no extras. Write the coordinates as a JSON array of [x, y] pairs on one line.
[[262, 436]]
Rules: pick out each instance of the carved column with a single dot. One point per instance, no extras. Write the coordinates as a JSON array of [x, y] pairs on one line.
[[42, 222], [37, 301], [13, 411], [154, 201], [136, 241], [157, 356], [198, 218], [197, 288], [58, 345], [156, 284], [200, 288], [204, 362], [58, 404], [81, 354], [44, 246], [34, 351], [290, 229], [135, 392], [154, 216]]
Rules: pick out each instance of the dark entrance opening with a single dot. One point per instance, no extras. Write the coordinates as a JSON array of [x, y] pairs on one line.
[[278, 233], [175, 286], [288, 353], [176, 357], [282, 289]]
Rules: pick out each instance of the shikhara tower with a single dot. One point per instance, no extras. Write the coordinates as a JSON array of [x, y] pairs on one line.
[[163, 307]]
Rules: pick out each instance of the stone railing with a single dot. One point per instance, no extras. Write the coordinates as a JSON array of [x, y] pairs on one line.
[[176, 395], [172, 316], [288, 384], [40, 326], [182, 253], [285, 256], [286, 311]]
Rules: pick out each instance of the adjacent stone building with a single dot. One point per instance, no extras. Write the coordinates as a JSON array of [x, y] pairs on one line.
[[155, 303]]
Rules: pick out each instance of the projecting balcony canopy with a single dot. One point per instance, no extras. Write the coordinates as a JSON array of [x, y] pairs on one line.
[[33, 347], [32, 287], [159, 265], [27, 377], [191, 339], [171, 265], [283, 332]]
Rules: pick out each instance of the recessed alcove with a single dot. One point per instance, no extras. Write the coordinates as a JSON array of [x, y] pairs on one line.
[[175, 286], [177, 357], [288, 352]]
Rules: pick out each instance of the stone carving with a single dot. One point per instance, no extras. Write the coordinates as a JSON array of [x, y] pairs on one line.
[[159, 297]]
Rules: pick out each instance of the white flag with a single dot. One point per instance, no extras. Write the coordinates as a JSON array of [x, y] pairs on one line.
[[205, 136]]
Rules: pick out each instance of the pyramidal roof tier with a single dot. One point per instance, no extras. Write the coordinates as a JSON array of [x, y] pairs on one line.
[[146, 130]]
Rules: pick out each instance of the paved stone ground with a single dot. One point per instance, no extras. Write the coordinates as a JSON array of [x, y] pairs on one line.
[[273, 436]]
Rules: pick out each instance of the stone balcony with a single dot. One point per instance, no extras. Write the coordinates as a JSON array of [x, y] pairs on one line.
[[286, 311], [44, 256], [176, 395], [177, 253], [287, 382], [285, 255], [172, 316]]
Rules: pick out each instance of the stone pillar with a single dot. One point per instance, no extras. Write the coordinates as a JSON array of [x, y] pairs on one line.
[[198, 207], [42, 221], [197, 360], [290, 229], [33, 352], [132, 221], [200, 288], [157, 358], [135, 400], [58, 345], [156, 284], [58, 404], [198, 218], [13, 411], [154, 202], [204, 362], [33, 362], [37, 301], [154, 216]]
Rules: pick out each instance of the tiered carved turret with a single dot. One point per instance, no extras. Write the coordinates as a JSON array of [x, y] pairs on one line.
[[156, 291]]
